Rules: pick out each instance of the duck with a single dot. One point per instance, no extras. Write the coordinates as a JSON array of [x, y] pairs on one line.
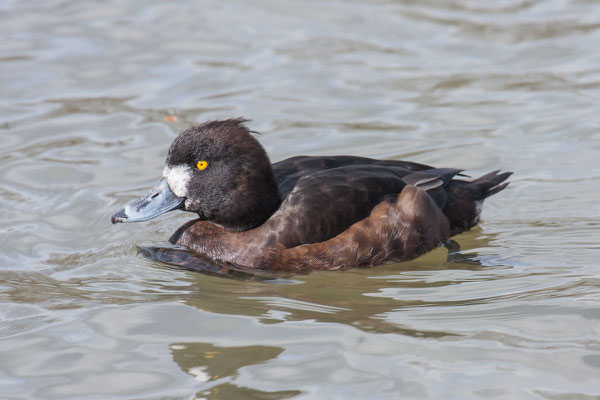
[[306, 212]]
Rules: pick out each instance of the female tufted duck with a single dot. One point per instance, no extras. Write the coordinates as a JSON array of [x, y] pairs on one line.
[[306, 212]]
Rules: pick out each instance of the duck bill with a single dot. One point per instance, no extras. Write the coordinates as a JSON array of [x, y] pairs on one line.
[[159, 200]]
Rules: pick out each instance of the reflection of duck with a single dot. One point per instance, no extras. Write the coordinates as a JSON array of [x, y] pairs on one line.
[[382, 300], [306, 212], [219, 366]]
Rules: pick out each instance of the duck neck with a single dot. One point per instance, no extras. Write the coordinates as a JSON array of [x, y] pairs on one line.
[[254, 202]]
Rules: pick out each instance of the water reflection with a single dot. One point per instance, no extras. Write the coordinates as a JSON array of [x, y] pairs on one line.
[[353, 297], [210, 363]]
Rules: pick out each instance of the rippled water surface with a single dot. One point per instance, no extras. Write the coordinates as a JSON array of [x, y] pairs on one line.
[[92, 93]]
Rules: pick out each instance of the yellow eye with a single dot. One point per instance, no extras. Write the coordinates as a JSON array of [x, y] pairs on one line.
[[202, 165]]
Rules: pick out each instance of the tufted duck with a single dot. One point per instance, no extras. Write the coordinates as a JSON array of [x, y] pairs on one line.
[[306, 212]]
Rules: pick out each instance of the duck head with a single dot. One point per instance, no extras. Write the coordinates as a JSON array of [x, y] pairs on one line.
[[216, 170]]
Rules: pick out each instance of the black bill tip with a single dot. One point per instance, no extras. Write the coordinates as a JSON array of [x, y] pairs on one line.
[[119, 216], [159, 200]]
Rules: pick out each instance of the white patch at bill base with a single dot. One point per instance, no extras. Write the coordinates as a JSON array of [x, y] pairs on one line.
[[178, 177]]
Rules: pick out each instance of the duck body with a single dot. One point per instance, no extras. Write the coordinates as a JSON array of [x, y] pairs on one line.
[[306, 212]]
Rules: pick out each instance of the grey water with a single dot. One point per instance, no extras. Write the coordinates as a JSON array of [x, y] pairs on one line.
[[93, 92]]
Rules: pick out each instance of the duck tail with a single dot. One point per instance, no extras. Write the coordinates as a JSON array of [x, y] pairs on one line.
[[465, 199], [489, 184]]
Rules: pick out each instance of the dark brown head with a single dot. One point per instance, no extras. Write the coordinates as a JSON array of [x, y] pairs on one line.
[[217, 170]]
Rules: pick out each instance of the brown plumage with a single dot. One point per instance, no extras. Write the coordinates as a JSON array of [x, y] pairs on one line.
[[306, 212]]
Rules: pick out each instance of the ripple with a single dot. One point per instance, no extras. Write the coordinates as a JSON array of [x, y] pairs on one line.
[[87, 87]]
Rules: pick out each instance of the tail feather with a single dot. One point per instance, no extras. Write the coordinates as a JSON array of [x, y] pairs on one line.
[[489, 184], [465, 199], [495, 189]]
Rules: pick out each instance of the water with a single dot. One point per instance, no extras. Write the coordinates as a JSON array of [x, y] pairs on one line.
[[87, 91]]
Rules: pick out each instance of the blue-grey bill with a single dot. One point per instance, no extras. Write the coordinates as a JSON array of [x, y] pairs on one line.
[[159, 200]]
